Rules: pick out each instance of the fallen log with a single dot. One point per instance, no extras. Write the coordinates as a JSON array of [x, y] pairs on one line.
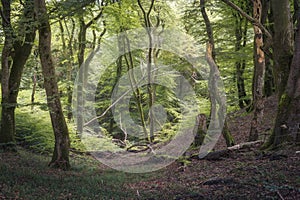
[[225, 153]]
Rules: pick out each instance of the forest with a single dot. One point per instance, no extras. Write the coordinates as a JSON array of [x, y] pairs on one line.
[[150, 99]]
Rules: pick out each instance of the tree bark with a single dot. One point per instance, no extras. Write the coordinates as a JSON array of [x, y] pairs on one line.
[[241, 28], [287, 125], [82, 77], [200, 129], [60, 158], [259, 74], [68, 55], [283, 43], [150, 87], [15, 53], [267, 20], [218, 106]]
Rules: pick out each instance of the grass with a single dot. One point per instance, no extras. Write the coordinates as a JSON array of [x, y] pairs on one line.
[[26, 175], [33, 125]]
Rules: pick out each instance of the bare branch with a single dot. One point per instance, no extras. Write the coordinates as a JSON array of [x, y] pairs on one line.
[[249, 18]]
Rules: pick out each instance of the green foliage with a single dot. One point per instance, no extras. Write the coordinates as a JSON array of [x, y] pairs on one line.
[[223, 23], [34, 131], [33, 125]]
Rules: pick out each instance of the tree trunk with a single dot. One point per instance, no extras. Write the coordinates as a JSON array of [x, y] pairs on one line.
[[150, 87], [282, 43], [259, 74], [7, 131], [14, 56], [70, 70], [267, 20], [82, 77], [200, 129], [67, 47], [217, 104], [287, 125], [241, 41], [60, 158]]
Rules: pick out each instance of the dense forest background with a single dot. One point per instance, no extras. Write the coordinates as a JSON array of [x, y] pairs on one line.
[[249, 59]]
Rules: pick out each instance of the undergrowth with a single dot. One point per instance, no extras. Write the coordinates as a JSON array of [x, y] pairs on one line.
[[33, 125], [25, 175]]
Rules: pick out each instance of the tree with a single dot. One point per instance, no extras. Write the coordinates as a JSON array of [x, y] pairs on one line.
[[150, 87], [17, 48], [287, 124], [215, 93], [282, 43], [268, 21], [241, 29], [60, 158], [68, 59], [81, 58], [259, 73]]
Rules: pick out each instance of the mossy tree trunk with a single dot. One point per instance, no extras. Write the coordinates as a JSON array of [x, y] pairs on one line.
[[15, 53], [60, 158], [287, 125], [282, 43]]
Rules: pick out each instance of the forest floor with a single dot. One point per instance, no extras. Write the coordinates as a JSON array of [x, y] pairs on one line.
[[243, 174]]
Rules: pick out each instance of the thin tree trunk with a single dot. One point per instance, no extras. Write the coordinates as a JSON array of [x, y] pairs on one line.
[[60, 158], [34, 81], [70, 69], [216, 113], [259, 74], [150, 88], [241, 41], [269, 84], [68, 55], [136, 92], [82, 78], [80, 91]]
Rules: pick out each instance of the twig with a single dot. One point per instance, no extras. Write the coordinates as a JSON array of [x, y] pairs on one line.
[[281, 197]]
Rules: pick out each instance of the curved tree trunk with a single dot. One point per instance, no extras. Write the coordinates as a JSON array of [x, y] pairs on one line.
[[217, 104], [60, 158], [82, 77]]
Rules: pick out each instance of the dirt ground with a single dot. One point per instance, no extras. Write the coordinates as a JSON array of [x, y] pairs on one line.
[[243, 174]]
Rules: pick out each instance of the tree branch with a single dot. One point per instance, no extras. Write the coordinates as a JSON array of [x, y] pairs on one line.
[[249, 18], [94, 19]]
